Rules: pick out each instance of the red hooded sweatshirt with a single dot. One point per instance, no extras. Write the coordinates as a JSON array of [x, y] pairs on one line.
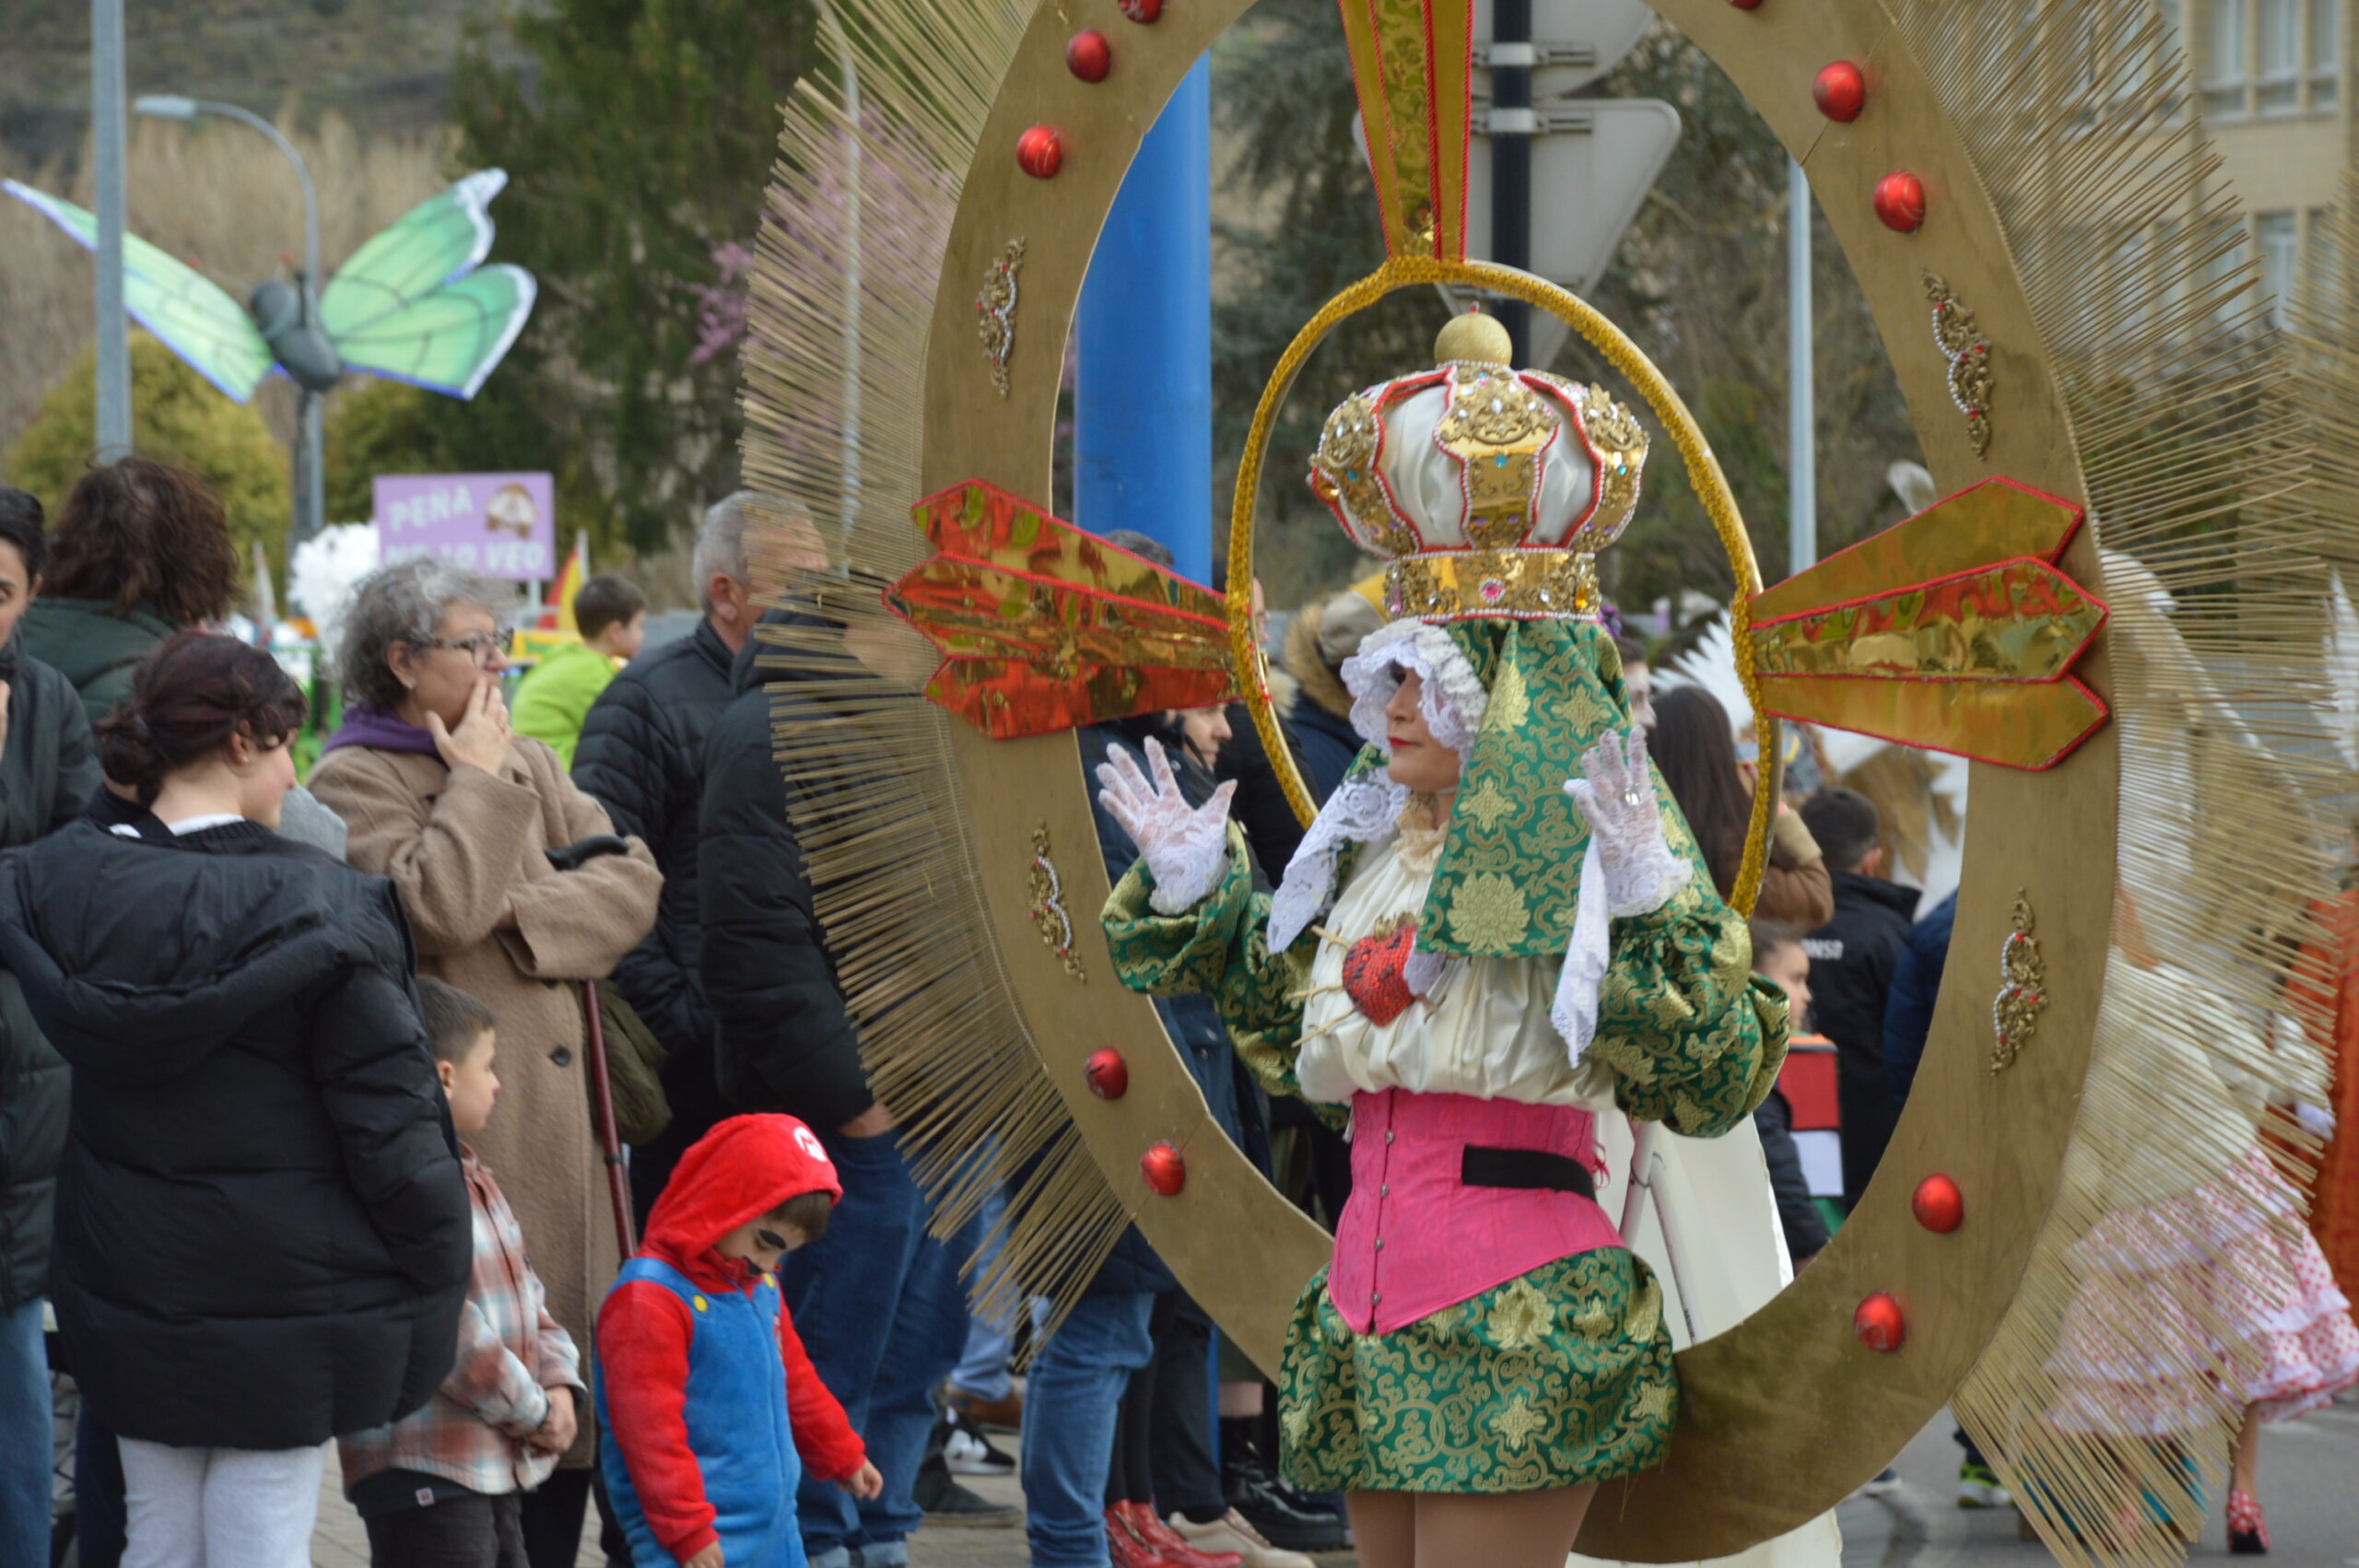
[[745, 1167]]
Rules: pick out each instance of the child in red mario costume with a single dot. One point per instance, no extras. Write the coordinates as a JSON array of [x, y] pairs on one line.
[[710, 1408]]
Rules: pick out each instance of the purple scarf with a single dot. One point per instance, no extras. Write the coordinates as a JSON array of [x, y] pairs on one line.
[[380, 731]]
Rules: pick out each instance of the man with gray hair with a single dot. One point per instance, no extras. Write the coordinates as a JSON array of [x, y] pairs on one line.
[[641, 757]]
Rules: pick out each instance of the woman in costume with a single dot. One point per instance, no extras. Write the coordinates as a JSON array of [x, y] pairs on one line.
[[1497, 929]]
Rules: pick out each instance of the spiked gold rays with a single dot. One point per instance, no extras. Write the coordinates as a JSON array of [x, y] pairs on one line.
[[850, 249], [2078, 116]]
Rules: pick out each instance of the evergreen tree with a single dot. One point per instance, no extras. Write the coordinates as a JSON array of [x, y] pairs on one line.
[[637, 138]]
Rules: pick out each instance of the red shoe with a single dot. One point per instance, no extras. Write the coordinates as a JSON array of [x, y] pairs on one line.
[[1168, 1543], [1124, 1548], [2248, 1531]]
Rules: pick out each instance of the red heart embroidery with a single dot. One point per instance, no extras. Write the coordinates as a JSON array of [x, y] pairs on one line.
[[1375, 974]]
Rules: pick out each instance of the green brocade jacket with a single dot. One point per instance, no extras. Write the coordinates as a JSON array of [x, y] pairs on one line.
[[1694, 1039]]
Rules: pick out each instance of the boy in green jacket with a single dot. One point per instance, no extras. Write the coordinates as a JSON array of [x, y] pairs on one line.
[[554, 697]]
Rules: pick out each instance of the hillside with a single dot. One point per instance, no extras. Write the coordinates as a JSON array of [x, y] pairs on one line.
[[380, 64]]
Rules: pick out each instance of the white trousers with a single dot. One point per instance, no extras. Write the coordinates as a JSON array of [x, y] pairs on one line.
[[219, 1507]]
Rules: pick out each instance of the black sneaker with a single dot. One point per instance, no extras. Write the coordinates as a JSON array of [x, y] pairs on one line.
[[1255, 1495], [965, 1448], [948, 1503]]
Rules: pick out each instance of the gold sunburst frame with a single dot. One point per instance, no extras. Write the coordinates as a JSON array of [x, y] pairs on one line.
[[2024, 120]]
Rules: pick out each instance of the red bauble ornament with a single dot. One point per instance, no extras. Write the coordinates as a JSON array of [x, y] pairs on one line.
[[1142, 10], [1840, 91], [1040, 152], [1108, 1075], [1089, 55], [1164, 1169], [1900, 200], [1939, 1207], [1746, 5], [1878, 1323]]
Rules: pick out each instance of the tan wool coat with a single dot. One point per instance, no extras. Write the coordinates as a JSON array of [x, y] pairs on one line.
[[462, 845]]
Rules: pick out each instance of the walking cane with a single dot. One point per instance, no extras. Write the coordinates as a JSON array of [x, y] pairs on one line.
[[572, 857], [609, 1138]]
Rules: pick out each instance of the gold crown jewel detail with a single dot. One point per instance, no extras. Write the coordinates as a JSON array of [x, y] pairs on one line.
[[1497, 428], [1619, 443], [1490, 489], [1343, 473], [1456, 584]]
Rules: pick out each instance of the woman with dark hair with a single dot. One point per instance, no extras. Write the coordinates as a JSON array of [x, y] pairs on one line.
[[141, 550], [1694, 749], [263, 1235]]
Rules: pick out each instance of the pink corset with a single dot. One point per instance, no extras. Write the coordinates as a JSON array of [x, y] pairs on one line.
[[1414, 1239]]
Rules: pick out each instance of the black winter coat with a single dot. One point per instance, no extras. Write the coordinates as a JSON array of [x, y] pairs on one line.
[[263, 1235], [47, 772], [641, 757], [782, 1040], [1798, 1215], [1851, 962]]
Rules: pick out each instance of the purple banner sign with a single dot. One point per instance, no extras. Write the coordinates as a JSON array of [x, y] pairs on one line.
[[500, 524]]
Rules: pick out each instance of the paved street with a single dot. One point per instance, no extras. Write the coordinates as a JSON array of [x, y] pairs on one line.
[[2310, 1470], [2309, 1484]]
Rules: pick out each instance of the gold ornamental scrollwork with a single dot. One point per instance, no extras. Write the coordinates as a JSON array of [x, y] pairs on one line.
[[2023, 988], [1959, 337], [995, 311], [1049, 916]]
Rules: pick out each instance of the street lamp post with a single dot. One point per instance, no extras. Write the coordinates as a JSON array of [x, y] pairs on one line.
[[311, 466], [112, 416]]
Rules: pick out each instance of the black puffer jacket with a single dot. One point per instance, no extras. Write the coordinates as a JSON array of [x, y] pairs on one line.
[[784, 1040], [47, 772], [263, 1235], [1851, 963], [641, 757]]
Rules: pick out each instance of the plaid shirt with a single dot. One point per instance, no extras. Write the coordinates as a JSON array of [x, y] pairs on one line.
[[472, 1431]]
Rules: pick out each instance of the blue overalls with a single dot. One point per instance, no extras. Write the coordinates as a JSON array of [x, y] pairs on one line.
[[736, 1417]]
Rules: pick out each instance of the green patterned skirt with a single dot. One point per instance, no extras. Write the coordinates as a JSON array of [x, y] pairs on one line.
[[1559, 1378]]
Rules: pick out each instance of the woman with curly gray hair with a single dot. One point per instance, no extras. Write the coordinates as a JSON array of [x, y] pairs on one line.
[[459, 812]]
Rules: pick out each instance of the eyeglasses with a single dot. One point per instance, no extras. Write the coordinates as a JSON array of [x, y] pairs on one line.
[[481, 647]]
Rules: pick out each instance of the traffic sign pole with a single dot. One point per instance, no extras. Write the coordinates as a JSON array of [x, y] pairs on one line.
[[1512, 124]]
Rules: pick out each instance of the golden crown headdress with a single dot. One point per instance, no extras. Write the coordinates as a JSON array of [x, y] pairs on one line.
[[1491, 489]]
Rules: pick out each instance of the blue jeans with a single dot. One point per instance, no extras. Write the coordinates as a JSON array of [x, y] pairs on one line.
[[881, 1311], [26, 1436], [1070, 1403], [982, 1366]]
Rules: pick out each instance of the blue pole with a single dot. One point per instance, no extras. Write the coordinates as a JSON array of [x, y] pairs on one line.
[[1143, 384]]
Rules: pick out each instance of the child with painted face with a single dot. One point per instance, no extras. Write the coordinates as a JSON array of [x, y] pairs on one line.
[[710, 1406]]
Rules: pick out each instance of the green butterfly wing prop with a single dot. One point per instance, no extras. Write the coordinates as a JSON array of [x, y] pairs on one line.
[[410, 303], [450, 339], [186, 311]]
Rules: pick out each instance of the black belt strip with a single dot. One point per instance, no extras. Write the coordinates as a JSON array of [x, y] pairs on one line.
[[1530, 1169]]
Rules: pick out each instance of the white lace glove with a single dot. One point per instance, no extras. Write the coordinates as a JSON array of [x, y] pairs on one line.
[[1618, 798], [1186, 847]]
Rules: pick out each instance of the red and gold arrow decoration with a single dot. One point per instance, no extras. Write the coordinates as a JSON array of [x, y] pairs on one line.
[[1973, 656], [1412, 67], [1045, 627]]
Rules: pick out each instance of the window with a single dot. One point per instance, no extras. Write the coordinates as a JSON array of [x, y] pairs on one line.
[[2280, 76], [2230, 249], [2223, 57], [2267, 56], [2280, 254], [2325, 53], [2324, 283]]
